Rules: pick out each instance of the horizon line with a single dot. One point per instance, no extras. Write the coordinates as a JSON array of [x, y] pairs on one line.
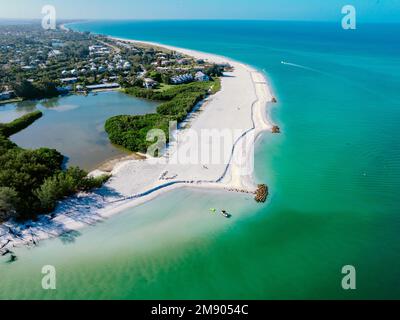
[[197, 19]]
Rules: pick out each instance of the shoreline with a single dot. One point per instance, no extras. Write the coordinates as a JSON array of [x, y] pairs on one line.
[[137, 181]]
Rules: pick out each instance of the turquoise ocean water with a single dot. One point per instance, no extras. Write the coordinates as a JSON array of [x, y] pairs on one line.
[[334, 175]]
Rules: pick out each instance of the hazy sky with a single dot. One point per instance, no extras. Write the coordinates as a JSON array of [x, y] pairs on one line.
[[367, 10]]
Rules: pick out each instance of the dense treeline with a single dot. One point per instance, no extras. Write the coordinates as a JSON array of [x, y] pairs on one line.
[[8, 129], [32, 181], [131, 131], [181, 105], [41, 90], [172, 92]]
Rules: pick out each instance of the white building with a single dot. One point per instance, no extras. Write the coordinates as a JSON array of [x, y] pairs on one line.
[[201, 77], [103, 86], [162, 69], [183, 61], [167, 63], [149, 83], [184, 78], [27, 68], [69, 80]]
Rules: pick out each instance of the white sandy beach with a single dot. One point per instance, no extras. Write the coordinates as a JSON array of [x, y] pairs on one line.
[[239, 109]]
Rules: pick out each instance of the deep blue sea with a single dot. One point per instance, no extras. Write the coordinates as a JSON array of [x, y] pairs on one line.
[[334, 175]]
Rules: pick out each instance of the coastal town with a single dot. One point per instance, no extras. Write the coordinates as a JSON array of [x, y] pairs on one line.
[[37, 63]]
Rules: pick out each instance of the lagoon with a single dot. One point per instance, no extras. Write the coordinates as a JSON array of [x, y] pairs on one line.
[[74, 125]]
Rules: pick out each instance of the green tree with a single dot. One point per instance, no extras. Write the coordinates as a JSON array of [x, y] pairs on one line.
[[48, 193], [8, 202], [215, 71], [155, 76], [26, 90]]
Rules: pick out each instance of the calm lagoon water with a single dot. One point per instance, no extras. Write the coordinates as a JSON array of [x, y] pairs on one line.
[[74, 125], [334, 174]]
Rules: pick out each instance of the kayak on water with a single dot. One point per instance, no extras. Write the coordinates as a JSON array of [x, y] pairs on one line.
[[225, 214]]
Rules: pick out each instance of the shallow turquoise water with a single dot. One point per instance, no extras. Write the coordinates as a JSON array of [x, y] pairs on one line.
[[333, 173], [74, 125]]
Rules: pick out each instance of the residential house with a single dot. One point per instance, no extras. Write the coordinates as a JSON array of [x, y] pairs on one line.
[[149, 83], [184, 78], [69, 80], [201, 77]]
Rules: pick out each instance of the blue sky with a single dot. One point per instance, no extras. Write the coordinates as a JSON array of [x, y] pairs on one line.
[[321, 10]]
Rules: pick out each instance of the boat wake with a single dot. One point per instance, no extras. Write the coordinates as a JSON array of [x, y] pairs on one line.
[[298, 66]]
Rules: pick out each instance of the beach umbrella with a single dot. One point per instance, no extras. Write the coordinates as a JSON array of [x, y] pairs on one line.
[[213, 210]]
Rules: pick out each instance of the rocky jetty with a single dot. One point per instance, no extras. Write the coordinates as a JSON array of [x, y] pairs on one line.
[[261, 193], [276, 129]]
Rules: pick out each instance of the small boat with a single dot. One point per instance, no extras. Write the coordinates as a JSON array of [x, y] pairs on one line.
[[225, 214]]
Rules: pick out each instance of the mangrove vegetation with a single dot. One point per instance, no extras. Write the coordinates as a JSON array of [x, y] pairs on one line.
[[131, 132], [33, 181]]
